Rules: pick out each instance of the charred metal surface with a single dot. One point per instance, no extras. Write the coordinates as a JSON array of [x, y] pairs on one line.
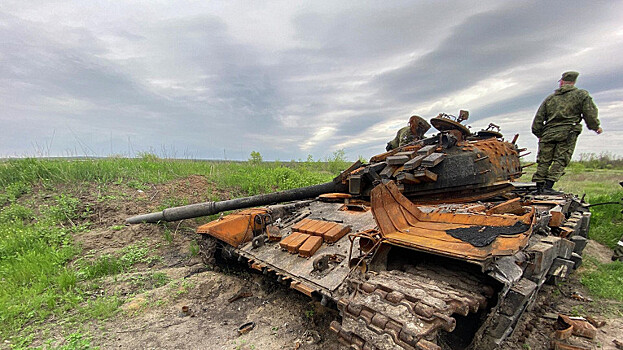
[[480, 236], [441, 241], [405, 310], [327, 280]]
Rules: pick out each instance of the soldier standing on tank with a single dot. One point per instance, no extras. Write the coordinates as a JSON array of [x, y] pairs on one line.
[[415, 131], [557, 124]]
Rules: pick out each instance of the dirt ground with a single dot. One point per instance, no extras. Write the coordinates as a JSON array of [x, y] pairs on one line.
[[192, 310], [537, 326]]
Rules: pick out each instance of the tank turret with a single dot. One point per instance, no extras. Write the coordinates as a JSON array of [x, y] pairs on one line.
[[451, 166]]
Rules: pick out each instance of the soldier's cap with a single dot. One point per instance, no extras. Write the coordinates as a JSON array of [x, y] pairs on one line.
[[420, 121], [570, 76]]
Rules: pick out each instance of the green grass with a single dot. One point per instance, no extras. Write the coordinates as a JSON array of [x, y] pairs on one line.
[[604, 280], [250, 178], [44, 274], [89, 268]]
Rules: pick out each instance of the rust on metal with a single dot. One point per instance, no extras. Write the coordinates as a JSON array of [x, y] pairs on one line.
[[311, 245], [246, 328], [334, 234], [297, 226], [284, 242], [239, 295], [234, 229], [335, 196], [378, 304], [293, 245], [303, 288], [581, 327], [257, 266], [402, 223], [512, 206], [557, 216]]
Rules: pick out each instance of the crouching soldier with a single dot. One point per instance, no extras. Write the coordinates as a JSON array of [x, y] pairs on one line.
[[418, 126]]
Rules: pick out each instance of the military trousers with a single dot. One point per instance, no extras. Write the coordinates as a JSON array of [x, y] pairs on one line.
[[553, 157]]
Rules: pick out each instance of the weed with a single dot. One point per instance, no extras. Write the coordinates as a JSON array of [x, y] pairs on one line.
[[138, 253], [108, 264], [16, 212], [117, 227], [172, 202], [150, 280], [36, 244], [309, 314], [194, 248], [181, 287], [65, 210], [41, 277], [76, 341], [578, 311], [168, 236], [13, 191]]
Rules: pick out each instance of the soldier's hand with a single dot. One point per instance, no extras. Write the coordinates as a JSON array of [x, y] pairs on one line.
[[599, 131]]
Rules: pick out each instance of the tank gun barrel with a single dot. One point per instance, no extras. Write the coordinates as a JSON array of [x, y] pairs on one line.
[[209, 208]]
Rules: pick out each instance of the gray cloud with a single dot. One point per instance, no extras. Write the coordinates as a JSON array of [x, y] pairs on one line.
[[492, 42], [200, 81]]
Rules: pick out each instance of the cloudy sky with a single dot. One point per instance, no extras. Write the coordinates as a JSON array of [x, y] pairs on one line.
[[219, 79]]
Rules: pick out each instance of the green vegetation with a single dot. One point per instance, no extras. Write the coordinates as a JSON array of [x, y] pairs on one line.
[[75, 341], [604, 280], [37, 278], [249, 178], [104, 265], [43, 272]]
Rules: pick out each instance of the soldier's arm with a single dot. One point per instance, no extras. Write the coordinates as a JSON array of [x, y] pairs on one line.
[[539, 119], [589, 113]]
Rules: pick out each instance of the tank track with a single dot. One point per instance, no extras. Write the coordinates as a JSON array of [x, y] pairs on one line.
[[405, 310], [207, 251]]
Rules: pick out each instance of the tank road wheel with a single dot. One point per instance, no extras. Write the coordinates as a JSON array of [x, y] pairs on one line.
[[207, 244]]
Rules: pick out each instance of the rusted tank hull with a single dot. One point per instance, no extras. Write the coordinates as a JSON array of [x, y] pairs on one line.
[[421, 237], [400, 279]]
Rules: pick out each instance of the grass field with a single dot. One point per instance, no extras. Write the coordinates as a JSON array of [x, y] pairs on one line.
[[44, 275]]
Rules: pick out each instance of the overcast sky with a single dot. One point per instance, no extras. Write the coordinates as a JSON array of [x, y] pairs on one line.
[[219, 79]]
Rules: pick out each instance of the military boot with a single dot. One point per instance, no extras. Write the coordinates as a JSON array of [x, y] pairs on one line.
[[539, 187], [618, 251], [549, 188]]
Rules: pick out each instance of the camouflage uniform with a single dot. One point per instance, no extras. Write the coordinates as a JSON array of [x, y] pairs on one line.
[[557, 124], [403, 136], [406, 135]]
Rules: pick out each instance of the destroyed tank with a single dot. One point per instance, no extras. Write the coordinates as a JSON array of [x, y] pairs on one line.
[[429, 246]]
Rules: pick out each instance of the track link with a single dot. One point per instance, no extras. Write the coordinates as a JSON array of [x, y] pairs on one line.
[[405, 310]]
